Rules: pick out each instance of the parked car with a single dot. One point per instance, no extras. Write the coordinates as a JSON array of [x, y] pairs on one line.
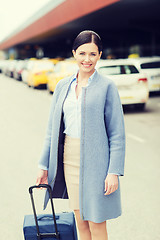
[[132, 85], [55, 60], [62, 69], [35, 72], [26, 69], [5, 66], [151, 68], [17, 73], [2, 65], [11, 64]]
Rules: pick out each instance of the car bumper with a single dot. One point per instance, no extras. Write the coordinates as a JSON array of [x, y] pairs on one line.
[[154, 87], [134, 96], [37, 81]]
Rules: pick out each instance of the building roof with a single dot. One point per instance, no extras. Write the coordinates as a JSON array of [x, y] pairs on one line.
[[47, 20]]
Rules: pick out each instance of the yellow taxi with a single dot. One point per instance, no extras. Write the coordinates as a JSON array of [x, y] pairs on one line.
[[55, 60], [62, 69], [38, 72]]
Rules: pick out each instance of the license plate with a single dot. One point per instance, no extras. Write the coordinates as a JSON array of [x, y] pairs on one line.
[[155, 85]]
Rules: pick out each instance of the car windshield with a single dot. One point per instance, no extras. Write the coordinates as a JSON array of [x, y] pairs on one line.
[[71, 67], [65, 67], [44, 66], [118, 69], [150, 65], [57, 67]]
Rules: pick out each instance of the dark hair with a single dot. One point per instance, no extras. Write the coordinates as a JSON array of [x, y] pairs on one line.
[[87, 36]]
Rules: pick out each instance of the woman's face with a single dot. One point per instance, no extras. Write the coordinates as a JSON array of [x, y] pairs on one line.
[[87, 56]]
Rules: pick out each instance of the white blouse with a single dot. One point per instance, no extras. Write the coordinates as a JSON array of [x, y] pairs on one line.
[[72, 110]]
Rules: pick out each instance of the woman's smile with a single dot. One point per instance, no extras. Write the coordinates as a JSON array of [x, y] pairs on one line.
[[86, 65]]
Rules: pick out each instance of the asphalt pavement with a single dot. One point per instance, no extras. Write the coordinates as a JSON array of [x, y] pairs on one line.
[[23, 119]]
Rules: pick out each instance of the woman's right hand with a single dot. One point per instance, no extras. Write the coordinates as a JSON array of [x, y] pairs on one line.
[[42, 177]]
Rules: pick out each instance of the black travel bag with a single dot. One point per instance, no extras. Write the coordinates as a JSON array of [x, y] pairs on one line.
[[49, 226]]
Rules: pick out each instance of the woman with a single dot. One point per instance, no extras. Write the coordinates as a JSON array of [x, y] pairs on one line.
[[84, 149]]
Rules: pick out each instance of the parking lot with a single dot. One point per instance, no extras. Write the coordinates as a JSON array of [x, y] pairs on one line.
[[24, 114]]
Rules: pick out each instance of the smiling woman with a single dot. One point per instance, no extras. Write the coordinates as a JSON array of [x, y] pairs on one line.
[[84, 151], [87, 56], [87, 50]]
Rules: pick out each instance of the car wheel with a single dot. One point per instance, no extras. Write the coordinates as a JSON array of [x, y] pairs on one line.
[[140, 106], [50, 92], [19, 78]]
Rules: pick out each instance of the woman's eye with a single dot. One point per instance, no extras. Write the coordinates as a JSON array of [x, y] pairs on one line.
[[81, 53], [93, 54]]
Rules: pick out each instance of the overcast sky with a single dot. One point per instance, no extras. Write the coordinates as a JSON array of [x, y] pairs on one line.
[[13, 13]]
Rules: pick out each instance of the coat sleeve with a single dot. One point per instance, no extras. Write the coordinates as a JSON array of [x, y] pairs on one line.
[[44, 159], [114, 122]]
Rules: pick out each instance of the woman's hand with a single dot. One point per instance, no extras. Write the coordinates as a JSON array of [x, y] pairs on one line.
[[111, 184], [42, 177]]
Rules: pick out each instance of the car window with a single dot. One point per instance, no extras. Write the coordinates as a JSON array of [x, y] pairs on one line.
[[110, 70], [30, 65], [129, 69], [118, 69], [150, 65]]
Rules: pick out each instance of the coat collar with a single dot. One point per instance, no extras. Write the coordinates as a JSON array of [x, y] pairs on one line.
[[92, 80]]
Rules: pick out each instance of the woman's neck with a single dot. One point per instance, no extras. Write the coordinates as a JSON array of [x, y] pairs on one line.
[[83, 76]]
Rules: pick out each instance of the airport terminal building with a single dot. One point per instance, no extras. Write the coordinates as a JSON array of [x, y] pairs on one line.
[[125, 26]]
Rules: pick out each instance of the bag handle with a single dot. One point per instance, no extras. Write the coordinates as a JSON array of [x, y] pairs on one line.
[[47, 216], [39, 235]]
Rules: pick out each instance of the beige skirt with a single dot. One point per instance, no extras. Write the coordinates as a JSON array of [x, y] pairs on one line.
[[71, 162]]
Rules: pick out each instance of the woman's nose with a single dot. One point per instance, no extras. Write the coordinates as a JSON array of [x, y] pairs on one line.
[[87, 58]]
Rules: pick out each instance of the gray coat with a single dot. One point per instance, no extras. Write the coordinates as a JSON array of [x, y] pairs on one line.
[[102, 147]]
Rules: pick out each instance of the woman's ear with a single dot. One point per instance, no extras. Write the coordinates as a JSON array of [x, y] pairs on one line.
[[100, 54], [74, 53]]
